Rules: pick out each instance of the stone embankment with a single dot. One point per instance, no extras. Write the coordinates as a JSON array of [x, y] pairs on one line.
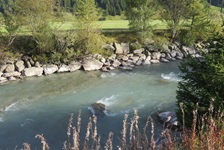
[[123, 57]]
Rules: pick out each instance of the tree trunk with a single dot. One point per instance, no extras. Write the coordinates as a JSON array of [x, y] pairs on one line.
[[222, 6]]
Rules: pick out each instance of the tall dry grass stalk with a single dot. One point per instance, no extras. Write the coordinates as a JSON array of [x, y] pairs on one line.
[[94, 135], [124, 132], [109, 143], [43, 141], [132, 132], [76, 133], [210, 136], [88, 132], [26, 146], [152, 140], [137, 141], [98, 143]]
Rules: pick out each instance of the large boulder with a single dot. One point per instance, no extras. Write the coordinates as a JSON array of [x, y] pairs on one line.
[[125, 48], [91, 64], [12, 74], [168, 57], [179, 54], [169, 119], [63, 68], [166, 48], [112, 57], [125, 58], [10, 68], [33, 71], [50, 69], [151, 48], [74, 65], [188, 50], [133, 59], [98, 109], [156, 55], [138, 51], [37, 64], [147, 61], [116, 63], [19, 65], [164, 60], [3, 80], [173, 53], [108, 47], [154, 61], [2, 68], [118, 48], [27, 63]]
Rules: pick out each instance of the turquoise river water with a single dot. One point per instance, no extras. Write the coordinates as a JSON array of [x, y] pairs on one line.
[[42, 105]]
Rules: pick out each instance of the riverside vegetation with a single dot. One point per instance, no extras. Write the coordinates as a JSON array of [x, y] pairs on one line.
[[193, 29]]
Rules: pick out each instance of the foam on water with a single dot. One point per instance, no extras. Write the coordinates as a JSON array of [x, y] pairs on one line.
[[11, 107], [1, 119], [27, 122], [108, 100], [92, 110], [171, 77], [105, 75]]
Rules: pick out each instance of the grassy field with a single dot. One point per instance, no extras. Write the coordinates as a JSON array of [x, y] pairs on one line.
[[112, 23], [107, 25], [104, 25]]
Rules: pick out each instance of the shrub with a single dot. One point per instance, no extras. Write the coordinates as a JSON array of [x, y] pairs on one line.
[[201, 85], [187, 37]]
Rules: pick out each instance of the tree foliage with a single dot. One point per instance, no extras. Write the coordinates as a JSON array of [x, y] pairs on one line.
[[202, 85], [35, 14], [174, 11], [88, 37], [139, 14], [11, 20]]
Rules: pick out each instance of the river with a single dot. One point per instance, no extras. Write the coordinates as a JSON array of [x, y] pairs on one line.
[[42, 105]]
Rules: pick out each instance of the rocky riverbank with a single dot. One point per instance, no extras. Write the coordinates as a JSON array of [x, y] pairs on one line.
[[123, 57]]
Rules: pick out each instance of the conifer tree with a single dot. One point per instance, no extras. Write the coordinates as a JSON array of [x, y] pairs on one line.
[[202, 85], [88, 37], [139, 13]]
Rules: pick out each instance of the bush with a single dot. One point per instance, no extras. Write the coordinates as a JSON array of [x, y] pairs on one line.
[[202, 85], [134, 46], [187, 37], [159, 41]]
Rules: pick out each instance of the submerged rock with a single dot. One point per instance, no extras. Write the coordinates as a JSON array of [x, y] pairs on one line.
[[98, 109], [126, 68]]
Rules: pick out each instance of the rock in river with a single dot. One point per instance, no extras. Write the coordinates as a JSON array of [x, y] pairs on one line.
[[98, 109]]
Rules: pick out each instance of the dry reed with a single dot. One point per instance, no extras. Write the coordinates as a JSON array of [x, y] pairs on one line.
[[43, 141], [208, 137]]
